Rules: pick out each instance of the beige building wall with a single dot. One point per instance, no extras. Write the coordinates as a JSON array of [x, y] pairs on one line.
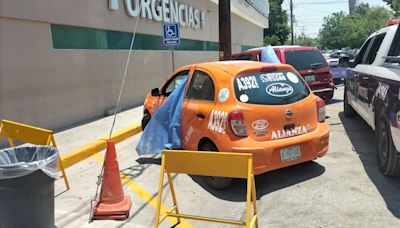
[[55, 88]]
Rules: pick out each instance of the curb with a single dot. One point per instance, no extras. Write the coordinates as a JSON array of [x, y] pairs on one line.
[[75, 156]]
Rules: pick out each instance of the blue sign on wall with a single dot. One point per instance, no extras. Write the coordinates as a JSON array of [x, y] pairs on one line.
[[171, 36]]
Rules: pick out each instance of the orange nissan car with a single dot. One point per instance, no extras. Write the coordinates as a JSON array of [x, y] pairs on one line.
[[247, 107]]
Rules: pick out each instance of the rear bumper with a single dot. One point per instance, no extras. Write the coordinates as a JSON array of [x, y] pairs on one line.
[[266, 155], [324, 91]]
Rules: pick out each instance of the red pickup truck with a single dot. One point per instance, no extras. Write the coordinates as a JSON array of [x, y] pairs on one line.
[[308, 61]]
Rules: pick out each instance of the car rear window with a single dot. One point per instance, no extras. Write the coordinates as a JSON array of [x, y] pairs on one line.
[[270, 88], [305, 59]]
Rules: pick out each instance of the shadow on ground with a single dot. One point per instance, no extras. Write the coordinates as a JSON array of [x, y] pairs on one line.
[[362, 139], [267, 182]]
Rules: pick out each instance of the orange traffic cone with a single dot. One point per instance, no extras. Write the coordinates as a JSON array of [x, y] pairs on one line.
[[112, 204]]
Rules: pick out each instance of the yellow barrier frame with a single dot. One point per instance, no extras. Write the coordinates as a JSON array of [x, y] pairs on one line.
[[30, 134], [221, 164]]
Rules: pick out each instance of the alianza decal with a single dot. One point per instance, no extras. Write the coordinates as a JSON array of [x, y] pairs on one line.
[[189, 133], [273, 77], [279, 89], [299, 130], [217, 121], [248, 82], [168, 11]]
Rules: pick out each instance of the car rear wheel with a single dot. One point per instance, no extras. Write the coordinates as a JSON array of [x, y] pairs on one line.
[[216, 183], [145, 120], [348, 109], [388, 157]]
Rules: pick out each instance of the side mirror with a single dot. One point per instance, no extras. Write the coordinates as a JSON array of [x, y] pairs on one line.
[[344, 61], [155, 92]]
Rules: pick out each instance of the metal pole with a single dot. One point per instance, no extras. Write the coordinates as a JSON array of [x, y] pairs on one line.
[[291, 21], [225, 43], [173, 60]]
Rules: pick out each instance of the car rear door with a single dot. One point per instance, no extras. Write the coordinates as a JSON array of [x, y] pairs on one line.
[[197, 107]]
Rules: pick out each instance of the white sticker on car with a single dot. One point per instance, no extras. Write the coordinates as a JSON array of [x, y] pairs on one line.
[[244, 98], [223, 95], [382, 90], [189, 134], [273, 77], [280, 134], [259, 127], [292, 77], [217, 121], [245, 83], [279, 89]]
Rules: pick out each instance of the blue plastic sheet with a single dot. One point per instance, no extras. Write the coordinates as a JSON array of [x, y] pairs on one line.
[[164, 129], [268, 55]]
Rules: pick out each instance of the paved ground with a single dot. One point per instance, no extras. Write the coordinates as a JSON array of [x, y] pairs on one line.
[[342, 189]]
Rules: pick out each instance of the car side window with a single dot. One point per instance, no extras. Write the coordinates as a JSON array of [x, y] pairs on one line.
[[174, 82], [376, 44], [243, 57], [201, 87], [361, 54]]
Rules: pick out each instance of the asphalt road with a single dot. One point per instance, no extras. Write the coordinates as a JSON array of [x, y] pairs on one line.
[[342, 189]]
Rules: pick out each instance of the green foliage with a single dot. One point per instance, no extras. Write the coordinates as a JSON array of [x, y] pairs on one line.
[[395, 5], [278, 30], [304, 40], [340, 30]]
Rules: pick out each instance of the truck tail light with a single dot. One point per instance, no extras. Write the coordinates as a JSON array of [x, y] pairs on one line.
[[321, 110], [237, 123]]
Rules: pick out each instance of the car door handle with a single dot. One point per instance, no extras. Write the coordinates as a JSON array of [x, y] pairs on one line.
[[365, 78], [201, 115]]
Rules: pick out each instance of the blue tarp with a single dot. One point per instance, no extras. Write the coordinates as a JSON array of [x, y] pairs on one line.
[[164, 129], [268, 55]]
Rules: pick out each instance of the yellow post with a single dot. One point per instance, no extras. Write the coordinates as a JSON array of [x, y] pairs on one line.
[[221, 164]]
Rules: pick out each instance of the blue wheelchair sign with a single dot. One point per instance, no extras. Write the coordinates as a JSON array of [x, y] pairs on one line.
[[171, 34]]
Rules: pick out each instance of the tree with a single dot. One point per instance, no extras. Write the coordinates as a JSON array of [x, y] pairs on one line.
[[340, 30], [395, 5], [278, 31], [304, 40]]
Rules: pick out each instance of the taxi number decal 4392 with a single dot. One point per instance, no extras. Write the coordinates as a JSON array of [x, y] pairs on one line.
[[249, 82], [217, 121]]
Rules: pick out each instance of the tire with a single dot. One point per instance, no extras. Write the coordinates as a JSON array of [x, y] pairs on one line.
[[388, 157], [216, 183], [145, 120], [348, 109]]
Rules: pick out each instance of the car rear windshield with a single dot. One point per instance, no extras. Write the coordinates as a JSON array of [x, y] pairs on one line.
[[270, 88], [305, 59]]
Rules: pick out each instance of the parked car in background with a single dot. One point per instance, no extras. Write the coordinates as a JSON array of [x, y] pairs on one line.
[[308, 61], [247, 107]]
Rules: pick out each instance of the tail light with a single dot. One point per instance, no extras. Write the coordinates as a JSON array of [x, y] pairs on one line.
[[321, 110], [238, 125]]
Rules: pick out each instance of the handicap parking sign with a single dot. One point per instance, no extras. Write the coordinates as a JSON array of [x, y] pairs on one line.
[[171, 34]]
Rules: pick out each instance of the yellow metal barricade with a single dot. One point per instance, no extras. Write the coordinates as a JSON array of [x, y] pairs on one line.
[[221, 164], [29, 134]]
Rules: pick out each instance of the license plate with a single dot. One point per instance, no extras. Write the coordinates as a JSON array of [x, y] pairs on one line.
[[290, 153], [309, 78]]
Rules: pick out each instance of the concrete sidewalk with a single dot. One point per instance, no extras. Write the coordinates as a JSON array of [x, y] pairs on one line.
[[79, 136]]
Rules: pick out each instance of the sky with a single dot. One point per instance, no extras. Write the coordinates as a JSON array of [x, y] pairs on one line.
[[309, 14]]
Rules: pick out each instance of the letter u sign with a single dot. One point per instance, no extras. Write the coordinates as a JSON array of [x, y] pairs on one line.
[[113, 4]]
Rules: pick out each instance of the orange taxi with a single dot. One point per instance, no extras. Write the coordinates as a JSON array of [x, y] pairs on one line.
[[246, 106]]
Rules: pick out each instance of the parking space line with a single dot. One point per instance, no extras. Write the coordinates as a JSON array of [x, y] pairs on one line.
[[146, 196]]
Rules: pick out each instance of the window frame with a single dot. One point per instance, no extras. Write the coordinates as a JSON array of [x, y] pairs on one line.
[[185, 72]]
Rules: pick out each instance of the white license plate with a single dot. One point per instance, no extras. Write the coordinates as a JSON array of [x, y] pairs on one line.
[[309, 78], [290, 153]]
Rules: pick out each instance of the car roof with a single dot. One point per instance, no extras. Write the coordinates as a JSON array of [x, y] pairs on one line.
[[294, 48], [236, 67]]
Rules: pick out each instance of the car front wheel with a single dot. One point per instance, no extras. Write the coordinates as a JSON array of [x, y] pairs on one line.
[[348, 109], [145, 120], [388, 157], [216, 183]]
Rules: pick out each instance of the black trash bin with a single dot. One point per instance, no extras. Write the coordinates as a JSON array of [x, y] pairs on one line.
[[27, 176]]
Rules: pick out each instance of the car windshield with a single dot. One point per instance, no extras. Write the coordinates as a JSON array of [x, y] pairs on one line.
[[303, 60], [270, 88]]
